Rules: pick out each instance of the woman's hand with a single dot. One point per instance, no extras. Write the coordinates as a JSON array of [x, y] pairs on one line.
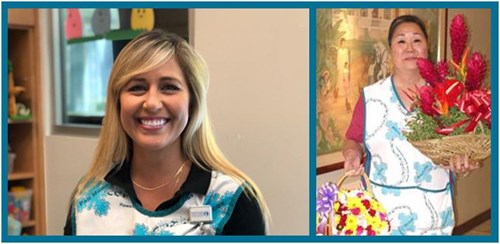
[[352, 163], [462, 166]]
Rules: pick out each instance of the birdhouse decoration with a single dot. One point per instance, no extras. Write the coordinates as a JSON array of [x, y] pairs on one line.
[[73, 24], [101, 21], [142, 19]]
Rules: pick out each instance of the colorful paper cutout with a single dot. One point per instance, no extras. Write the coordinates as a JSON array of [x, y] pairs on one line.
[[142, 18], [101, 21], [73, 24]]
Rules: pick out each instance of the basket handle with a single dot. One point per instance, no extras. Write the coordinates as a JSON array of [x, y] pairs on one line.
[[350, 174]]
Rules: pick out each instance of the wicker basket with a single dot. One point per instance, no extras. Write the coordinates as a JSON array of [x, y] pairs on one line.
[[442, 151], [351, 212]]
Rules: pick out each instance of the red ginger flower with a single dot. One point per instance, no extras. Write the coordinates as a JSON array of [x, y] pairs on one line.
[[442, 69], [426, 95], [427, 71], [459, 35], [476, 72]]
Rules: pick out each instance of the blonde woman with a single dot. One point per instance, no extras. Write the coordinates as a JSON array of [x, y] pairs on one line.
[[157, 169]]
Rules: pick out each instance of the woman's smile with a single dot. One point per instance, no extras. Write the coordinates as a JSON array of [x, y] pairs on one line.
[[153, 123]]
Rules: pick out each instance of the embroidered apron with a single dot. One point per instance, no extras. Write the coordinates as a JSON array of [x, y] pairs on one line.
[[415, 192], [108, 210]]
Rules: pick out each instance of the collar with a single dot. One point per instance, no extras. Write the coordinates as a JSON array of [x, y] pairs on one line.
[[197, 181]]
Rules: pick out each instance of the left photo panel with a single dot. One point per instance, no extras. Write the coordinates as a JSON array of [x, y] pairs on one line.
[[156, 121]]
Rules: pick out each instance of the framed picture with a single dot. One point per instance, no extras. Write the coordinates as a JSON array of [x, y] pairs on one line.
[[352, 52]]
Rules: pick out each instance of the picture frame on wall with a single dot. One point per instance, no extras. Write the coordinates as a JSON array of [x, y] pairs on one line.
[[351, 53]]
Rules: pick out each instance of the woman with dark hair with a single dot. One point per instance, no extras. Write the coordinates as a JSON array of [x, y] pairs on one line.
[[416, 193]]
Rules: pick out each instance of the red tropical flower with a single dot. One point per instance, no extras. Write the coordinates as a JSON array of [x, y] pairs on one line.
[[476, 72], [447, 94], [442, 69], [459, 35], [427, 71], [426, 95]]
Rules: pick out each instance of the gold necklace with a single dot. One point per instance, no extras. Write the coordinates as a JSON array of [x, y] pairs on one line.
[[162, 185]]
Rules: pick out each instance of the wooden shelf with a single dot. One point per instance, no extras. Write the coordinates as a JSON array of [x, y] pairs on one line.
[[12, 122], [21, 176], [25, 133], [22, 17]]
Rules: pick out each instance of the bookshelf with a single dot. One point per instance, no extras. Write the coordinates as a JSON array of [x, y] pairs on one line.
[[25, 135]]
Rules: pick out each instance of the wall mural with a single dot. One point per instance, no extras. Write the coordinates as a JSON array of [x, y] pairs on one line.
[[352, 52]]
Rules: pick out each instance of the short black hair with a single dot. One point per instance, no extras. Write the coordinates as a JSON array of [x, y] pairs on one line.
[[405, 19]]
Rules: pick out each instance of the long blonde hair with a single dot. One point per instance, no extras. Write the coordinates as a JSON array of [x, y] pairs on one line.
[[145, 53]]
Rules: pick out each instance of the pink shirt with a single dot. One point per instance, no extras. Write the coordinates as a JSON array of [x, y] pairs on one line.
[[357, 127]]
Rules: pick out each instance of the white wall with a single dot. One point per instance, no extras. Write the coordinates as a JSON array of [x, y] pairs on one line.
[[258, 102]]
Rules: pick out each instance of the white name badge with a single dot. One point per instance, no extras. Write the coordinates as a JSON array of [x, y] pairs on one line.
[[200, 214]]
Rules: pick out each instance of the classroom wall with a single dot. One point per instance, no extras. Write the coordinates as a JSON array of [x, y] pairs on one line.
[[258, 102]]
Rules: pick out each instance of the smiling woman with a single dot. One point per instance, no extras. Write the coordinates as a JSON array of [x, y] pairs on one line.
[[156, 148], [416, 193], [155, 106]]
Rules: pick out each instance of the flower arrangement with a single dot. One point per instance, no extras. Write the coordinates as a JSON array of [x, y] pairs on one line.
[[358, 213], [349, 212], [453, 107]]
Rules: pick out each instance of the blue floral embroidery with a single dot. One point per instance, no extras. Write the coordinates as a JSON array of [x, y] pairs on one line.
[[379, 174], [423, 172], [393, 191], [446, 218], [406, 224], [143, 230], [220, 205], [393, 131], [95, 199]]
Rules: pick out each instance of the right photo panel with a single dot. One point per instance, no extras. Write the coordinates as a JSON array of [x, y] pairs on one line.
[[403, 120]]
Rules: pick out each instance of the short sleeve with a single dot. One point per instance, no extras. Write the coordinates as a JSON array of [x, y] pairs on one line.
[[356, 128], [246, 219]]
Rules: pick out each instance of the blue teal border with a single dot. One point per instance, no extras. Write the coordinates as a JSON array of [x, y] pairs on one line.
[[5, 78], [248, 4], [312, 6], [494, 120], [312, 121]]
